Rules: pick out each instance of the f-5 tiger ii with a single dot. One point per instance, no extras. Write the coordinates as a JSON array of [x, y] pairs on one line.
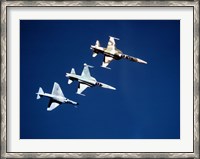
[[85, 80], [112, 53]]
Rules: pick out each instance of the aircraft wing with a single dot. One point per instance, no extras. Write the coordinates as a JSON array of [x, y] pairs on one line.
[[81, 88], [86, 71], [106, 61], [52, 105], [111, 44], [57, 90]]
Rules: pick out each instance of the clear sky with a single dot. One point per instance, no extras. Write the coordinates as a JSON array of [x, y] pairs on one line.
[[146, 104]]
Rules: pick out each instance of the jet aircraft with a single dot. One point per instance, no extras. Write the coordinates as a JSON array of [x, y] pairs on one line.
[[56, 97], [85, 80], [111, 52]]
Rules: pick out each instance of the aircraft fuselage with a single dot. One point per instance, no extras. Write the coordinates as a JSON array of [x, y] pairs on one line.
[[56, 98], [90, 82], [116, 54]]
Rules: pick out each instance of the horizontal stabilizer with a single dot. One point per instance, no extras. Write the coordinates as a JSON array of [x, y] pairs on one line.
[[40, 92], [94, 54], [69, 81]]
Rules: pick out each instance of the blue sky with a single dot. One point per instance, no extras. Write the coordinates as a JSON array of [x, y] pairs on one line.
[[146, 104]]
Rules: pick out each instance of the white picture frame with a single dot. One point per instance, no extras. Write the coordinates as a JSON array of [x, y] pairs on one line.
[[5, 81]]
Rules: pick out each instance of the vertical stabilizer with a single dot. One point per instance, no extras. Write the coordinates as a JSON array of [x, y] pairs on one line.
[[73, 71], [97, 43], [40, 92]]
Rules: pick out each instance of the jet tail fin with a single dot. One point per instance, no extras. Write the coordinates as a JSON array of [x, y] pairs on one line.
[[40, 92], [72, 72], [97, 43]]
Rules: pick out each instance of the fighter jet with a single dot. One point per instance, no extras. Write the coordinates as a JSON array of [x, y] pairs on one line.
[[111, 52], [85, 80], [56, 97]]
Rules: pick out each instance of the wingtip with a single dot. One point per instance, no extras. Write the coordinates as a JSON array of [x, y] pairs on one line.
[[105, 67], [108, 68], [85, 64], [114, 37], [80, 94]]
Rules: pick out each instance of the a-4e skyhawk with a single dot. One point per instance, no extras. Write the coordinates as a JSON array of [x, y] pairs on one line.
[[85, 80], [111, 52], [56, 97]]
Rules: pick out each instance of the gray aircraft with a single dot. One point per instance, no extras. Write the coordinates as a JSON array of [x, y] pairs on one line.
[[56, 97], [111, 52], [85, 80]]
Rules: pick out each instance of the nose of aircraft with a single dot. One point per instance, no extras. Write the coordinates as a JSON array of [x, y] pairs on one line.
[[103, 85], [141, 61], [110, 87]]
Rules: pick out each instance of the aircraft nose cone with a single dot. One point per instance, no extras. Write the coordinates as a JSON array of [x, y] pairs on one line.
[[142, 61], [113, 88]]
